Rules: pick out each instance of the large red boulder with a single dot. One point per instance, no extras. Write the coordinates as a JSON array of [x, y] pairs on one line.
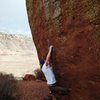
[[73, 27]]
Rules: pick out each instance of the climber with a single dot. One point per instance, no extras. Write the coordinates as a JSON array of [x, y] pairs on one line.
[[50, 76]]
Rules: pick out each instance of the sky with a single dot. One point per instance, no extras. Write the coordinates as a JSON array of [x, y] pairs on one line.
[[13, 17]]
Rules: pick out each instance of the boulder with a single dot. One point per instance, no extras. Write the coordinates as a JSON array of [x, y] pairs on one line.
[[29, 77], [73, 27]]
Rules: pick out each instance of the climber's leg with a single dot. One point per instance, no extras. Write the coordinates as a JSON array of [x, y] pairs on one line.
[[58, 89]]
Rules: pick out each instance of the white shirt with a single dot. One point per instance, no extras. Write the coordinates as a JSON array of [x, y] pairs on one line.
[[48, 73]]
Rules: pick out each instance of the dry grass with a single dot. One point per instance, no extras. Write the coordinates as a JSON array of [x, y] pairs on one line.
[[39, 74]]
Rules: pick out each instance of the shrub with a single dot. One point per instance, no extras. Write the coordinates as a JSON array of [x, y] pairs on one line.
[[7, 87], [39, 74]]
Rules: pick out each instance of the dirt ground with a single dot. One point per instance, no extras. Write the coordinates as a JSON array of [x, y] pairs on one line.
[[36, 90], [32, 90]]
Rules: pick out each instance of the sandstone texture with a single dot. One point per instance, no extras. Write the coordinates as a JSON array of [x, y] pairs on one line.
[[73, 27]]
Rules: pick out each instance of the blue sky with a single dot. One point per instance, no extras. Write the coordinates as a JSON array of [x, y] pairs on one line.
[[13, 17]]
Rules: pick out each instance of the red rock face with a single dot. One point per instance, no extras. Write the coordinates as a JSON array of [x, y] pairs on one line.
[[73, 27]]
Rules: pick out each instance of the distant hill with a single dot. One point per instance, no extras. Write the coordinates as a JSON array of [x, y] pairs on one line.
[[17, 55], [15, 43]]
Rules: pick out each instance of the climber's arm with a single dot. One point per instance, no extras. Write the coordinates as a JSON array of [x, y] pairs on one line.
[[48, 55]]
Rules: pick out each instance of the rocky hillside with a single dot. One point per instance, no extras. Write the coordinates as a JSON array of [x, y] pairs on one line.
[[16, 43], [73, 27], [18, 55]]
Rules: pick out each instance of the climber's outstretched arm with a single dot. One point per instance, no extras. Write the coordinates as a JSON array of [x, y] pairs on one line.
[[48, 55]]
